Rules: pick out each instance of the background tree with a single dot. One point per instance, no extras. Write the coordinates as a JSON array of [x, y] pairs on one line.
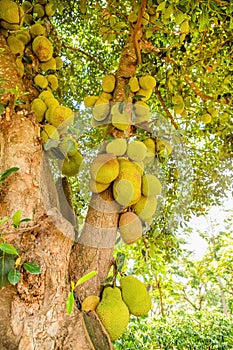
[[187, 48]]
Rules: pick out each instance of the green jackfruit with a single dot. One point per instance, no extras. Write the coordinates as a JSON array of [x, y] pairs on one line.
[[49, 132], [48, 65], [145, 18], [90, 101], [41, 81], [101, 109], [51, 101], [142, 111], [53, 81], [146, 93], [179, 105], [59, 62], [104, 168], [38, 10], [127, 185], [106, 96], [28, 19], [151, 186], [136, 150], [71, 165], [37, 29], [164, 147], [117, 147], [134, 84], [11, 13], [97, 187], [45, 94], [16, 45], [42, 48], [27, 6], [61, 117], [139, 166], [113, 313], [39, 108], [135, 296], [147, 82], [122, 120], [108, 83], [24, 36], [50, 9], [206, 118], [145, 207], [68, 146], [130, 227], [150, 154]]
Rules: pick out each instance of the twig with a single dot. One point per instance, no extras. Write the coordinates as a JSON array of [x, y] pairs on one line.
[[75, 49], [165, 107]]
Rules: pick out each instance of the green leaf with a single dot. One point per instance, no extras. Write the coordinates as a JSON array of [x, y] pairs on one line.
[[16, 218], [70, 303], [8, 248], [13, 276], [32, 268], [7, 263], [120, 259], [3, 220], [7, 173], [86, 278]]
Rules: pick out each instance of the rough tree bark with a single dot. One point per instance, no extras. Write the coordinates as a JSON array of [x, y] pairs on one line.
[[33, 314]]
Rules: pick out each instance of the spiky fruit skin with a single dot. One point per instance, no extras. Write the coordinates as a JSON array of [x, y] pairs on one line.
[[146, 93], [42, 48], [61, 116], [127, 186], [145, 207], [50, 9], [206, 118], [49, 132], [89, 101], [90, 303], [48, 65], [142, 112], [97, 187], [41, 81], [151, 186], [37, 29], [38, 10], [113, 313], [117, 147], [136, 150], [68, 146], [16, 45], [10, 12], [71, 165], [101, 109], [104, 168], [147, 82], [24, 36], [121, 121], [59, 62], [39, 108], [108, 83], [130, 227], [53, 81], [134, 84], [135, 296]]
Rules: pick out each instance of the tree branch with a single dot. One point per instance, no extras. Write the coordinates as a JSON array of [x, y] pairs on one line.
[[138, 31], [75, 49], [165, 107]]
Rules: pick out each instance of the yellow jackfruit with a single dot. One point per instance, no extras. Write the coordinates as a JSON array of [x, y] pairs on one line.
[[11, 14], [150, 154], [51, 101], [16, 45], [68, 146], [97, 187], [28, 19], [108, 83], [134, 84], [117, 147], [136, 150], [37, 29], [130, 227], [206, 118], [89, 101], [90, 303], [139, 166], [179, 105], [146, 93], [59, 62], [38, 10], [39, 108], [24, 36], [61, 117], [127, 185], [113, 312], [45, 94], [70, 165], [50, 9], [42, 48], [142, 111], [104, 168], [48, 65], [147, 82], [49, 132], [145, 207], [41, 81], [145, 18], [106, 96], [121, 121], [151, 186], [164, 147], [27, 6], [53, 81], [135, 296], [101, 109]]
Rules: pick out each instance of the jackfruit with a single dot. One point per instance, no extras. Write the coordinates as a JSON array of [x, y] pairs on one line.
[[28, 19], [127, 185], [106, 96], [108, 83], [97, 187], [89, 101], [41, 81], [71, 165], [139, 165], [39, 108], [101, 109], [24, 36], [45, 94], [113, 313], [51, 101], [164, 147], [142, 111], [27, 6], [134, 84], [90, 303], [121, 121], [104, 168], [145, 207], [146, 93], [37, 29], [68, 146], [53, 81], [59, 62], [11, 14], [117, 147], [179, 105], [206, 118], [150, 145], [61, 117], [38, 10], [133, 16], [130, 227], [48, 65], [147, 82], [136, 150], [135, 296], [16, 45], [42, 48], [50, 9], [49, 132], [145, 18], [151, 186], [20, 66]]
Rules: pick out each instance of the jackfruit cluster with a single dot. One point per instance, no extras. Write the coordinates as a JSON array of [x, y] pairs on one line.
[[117, 304]]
